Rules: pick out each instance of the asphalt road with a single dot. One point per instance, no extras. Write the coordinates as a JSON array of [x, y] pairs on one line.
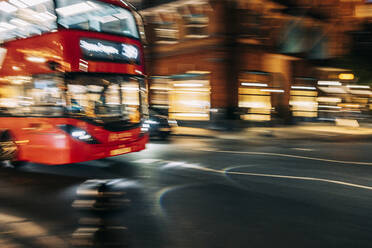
[[192, 192]]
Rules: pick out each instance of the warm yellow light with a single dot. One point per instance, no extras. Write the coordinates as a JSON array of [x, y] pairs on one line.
[[346, 76], [255, 117], [329, 99]]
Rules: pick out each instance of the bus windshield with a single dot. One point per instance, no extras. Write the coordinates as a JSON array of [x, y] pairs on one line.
[[79, 95], [100, 97], [96, 16]]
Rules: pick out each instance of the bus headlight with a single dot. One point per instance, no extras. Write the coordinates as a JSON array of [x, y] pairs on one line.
[[151, 122], [172, 123], [145, 127], [79, 134]]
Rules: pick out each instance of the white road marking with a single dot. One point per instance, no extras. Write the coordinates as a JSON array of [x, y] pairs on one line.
[[146, 161], [303, 149], [226, 171], [289, 156]]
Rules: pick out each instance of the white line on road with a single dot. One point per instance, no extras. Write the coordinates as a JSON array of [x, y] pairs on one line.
[[303, 149], [226, 171], [288, 156], [147, 161]]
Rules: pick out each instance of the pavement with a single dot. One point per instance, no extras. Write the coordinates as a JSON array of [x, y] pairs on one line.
[[305, 131]]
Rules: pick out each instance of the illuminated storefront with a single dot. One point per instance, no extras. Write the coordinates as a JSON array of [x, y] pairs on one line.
[[159, 93], [189, 97], [303, 98], [254, 96]]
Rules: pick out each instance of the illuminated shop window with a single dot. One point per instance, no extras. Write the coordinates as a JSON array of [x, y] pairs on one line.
[[21, 19], [189, 97], [303, 101], [254, 99], [303, 97], [159, 92]]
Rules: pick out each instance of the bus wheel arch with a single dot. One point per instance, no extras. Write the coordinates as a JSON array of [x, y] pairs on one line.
[[8, 148]]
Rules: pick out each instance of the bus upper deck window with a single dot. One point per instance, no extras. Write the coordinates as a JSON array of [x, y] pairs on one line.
[[96, 16]]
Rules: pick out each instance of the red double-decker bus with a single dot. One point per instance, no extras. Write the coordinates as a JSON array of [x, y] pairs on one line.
[[72, 81]]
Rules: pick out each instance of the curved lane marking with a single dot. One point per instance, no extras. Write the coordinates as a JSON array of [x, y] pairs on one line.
[[226, 171], [288, 156]]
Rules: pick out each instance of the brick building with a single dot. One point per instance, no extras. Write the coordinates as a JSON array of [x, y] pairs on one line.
[[210, 59]]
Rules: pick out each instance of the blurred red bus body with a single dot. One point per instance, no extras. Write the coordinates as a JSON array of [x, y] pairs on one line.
[[72, 80]]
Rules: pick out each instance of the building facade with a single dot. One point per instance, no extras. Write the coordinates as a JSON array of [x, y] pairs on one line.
[[238, 59]]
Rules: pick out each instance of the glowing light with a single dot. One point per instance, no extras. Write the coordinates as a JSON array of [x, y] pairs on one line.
[[78, 133], [254, 104], [129, 88], [308, 104], [198, 72], [329, 99], [6, 7], [188, 85], [347, 122], [7, 25], [19, 22], [346, 76], [361, 92], [45, 16], [151, 122], [36, 59], [254, 84], [333, 83], [272, 90], [191, 114], [330, 107], [358, 86], [99, 47], [352, 105], [130, 51], [16, 68], [303, 87]]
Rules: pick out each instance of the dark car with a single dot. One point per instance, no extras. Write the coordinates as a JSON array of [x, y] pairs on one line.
[[159, 126]]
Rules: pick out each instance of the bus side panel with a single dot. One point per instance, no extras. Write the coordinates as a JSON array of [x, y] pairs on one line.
[[39, 140]]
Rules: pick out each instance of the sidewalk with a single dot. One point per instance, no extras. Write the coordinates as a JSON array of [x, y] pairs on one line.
[[324, 132]]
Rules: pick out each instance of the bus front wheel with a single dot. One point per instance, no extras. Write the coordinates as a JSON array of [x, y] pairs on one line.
[[8, 149]]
